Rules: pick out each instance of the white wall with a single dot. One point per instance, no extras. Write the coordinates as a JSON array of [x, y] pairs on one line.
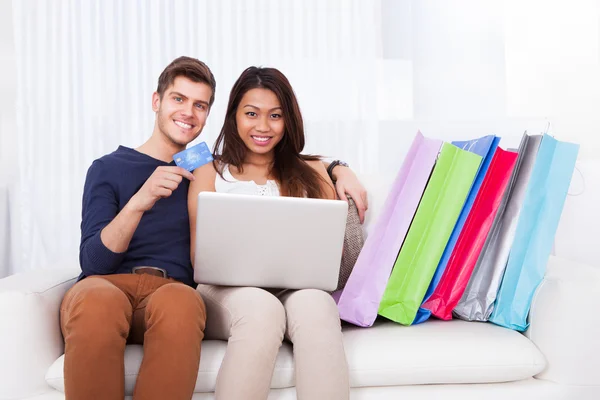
[[8, 129], [453, 69], [503, 67], [465, 68], [8, 89]]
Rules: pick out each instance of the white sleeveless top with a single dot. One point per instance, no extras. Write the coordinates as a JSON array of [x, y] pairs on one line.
[[228, 184]]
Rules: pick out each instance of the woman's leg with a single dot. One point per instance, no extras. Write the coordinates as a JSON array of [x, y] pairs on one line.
[[313, 326], [253, 320]]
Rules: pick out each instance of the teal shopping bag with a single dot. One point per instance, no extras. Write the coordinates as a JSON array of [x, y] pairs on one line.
[[536, 228]]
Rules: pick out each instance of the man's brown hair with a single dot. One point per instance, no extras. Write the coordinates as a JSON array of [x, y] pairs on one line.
[[190, 68]]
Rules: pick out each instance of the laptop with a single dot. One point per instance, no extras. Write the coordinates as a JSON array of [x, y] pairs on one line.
[[270, 242]]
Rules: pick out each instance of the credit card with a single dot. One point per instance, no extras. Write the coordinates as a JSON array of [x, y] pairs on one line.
[[193, 157]]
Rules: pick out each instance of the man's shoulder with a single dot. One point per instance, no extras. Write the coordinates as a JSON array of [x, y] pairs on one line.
[[110, 165], [120, 155], [119, 158]]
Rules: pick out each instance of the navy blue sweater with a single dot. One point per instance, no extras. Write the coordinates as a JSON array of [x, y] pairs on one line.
[[162, 238]]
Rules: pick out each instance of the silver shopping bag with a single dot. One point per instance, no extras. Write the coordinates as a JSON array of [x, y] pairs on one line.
[[477, 301]]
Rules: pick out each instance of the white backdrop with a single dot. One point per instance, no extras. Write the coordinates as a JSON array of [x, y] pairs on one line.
[[8, 70], [368, 74]]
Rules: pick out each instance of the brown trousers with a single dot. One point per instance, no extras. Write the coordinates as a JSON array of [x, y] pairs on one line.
[[101, 314]]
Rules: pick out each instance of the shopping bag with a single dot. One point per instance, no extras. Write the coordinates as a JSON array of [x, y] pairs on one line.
[[472, 238], [434, 220], [359, 301], [478, 299], [534, 237], [485, 147]]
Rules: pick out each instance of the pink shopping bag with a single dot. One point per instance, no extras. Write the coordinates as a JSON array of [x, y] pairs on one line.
[[359, 301], [472, 238]]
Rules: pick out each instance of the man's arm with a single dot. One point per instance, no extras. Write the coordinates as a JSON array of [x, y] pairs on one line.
[[106, 232], [163, 181], [118, 233], [100, 206]]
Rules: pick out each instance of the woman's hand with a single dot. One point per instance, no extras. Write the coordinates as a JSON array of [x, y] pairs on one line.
[[348, 184]]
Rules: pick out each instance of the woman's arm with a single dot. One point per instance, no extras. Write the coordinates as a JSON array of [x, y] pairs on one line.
[[346, 183], [327, 185], [354, 236], [204, 182]]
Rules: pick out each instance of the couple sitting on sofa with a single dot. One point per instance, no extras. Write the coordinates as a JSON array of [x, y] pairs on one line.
[[135, 219]]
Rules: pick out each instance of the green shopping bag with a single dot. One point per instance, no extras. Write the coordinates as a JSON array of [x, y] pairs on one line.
[[429, 233]]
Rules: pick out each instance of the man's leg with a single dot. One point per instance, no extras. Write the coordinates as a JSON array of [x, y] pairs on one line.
[[95, 320], [174, 319]]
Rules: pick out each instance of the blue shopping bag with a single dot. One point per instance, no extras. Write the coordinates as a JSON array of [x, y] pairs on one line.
[[485, 147], [536, 228]]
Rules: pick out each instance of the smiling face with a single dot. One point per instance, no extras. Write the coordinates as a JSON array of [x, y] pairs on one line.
[[260, 122], [182, 111]]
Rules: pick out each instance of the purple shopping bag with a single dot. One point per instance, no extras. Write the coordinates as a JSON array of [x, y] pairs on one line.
[[359, 301]]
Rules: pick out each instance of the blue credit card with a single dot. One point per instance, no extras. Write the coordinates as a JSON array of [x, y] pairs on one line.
[[193, 157]]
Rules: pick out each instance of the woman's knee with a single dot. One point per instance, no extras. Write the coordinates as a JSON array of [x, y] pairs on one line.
[[255, 306], [245, 310], [313, 307]]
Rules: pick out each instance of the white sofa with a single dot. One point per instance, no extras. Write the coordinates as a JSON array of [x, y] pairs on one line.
[[557, 358]]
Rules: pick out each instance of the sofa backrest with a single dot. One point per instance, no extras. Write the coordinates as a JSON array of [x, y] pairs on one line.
[[578, 236], [378, 187]]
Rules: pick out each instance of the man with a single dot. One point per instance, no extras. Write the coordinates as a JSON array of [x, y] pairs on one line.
[[135, 255]]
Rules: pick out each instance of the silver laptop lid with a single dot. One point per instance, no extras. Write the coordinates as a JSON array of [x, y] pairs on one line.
[[263, 241]]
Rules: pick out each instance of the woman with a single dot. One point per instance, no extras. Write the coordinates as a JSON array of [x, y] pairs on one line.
[[258, 152]]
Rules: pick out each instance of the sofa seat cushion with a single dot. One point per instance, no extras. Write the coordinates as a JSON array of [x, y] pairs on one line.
[[387, 354], [211, 357], [438, 352]]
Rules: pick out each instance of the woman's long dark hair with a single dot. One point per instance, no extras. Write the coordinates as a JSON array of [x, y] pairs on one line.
[[295, 177]]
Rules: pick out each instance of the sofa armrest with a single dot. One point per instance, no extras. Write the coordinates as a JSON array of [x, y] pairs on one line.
[[565, 323], [30, 337]]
